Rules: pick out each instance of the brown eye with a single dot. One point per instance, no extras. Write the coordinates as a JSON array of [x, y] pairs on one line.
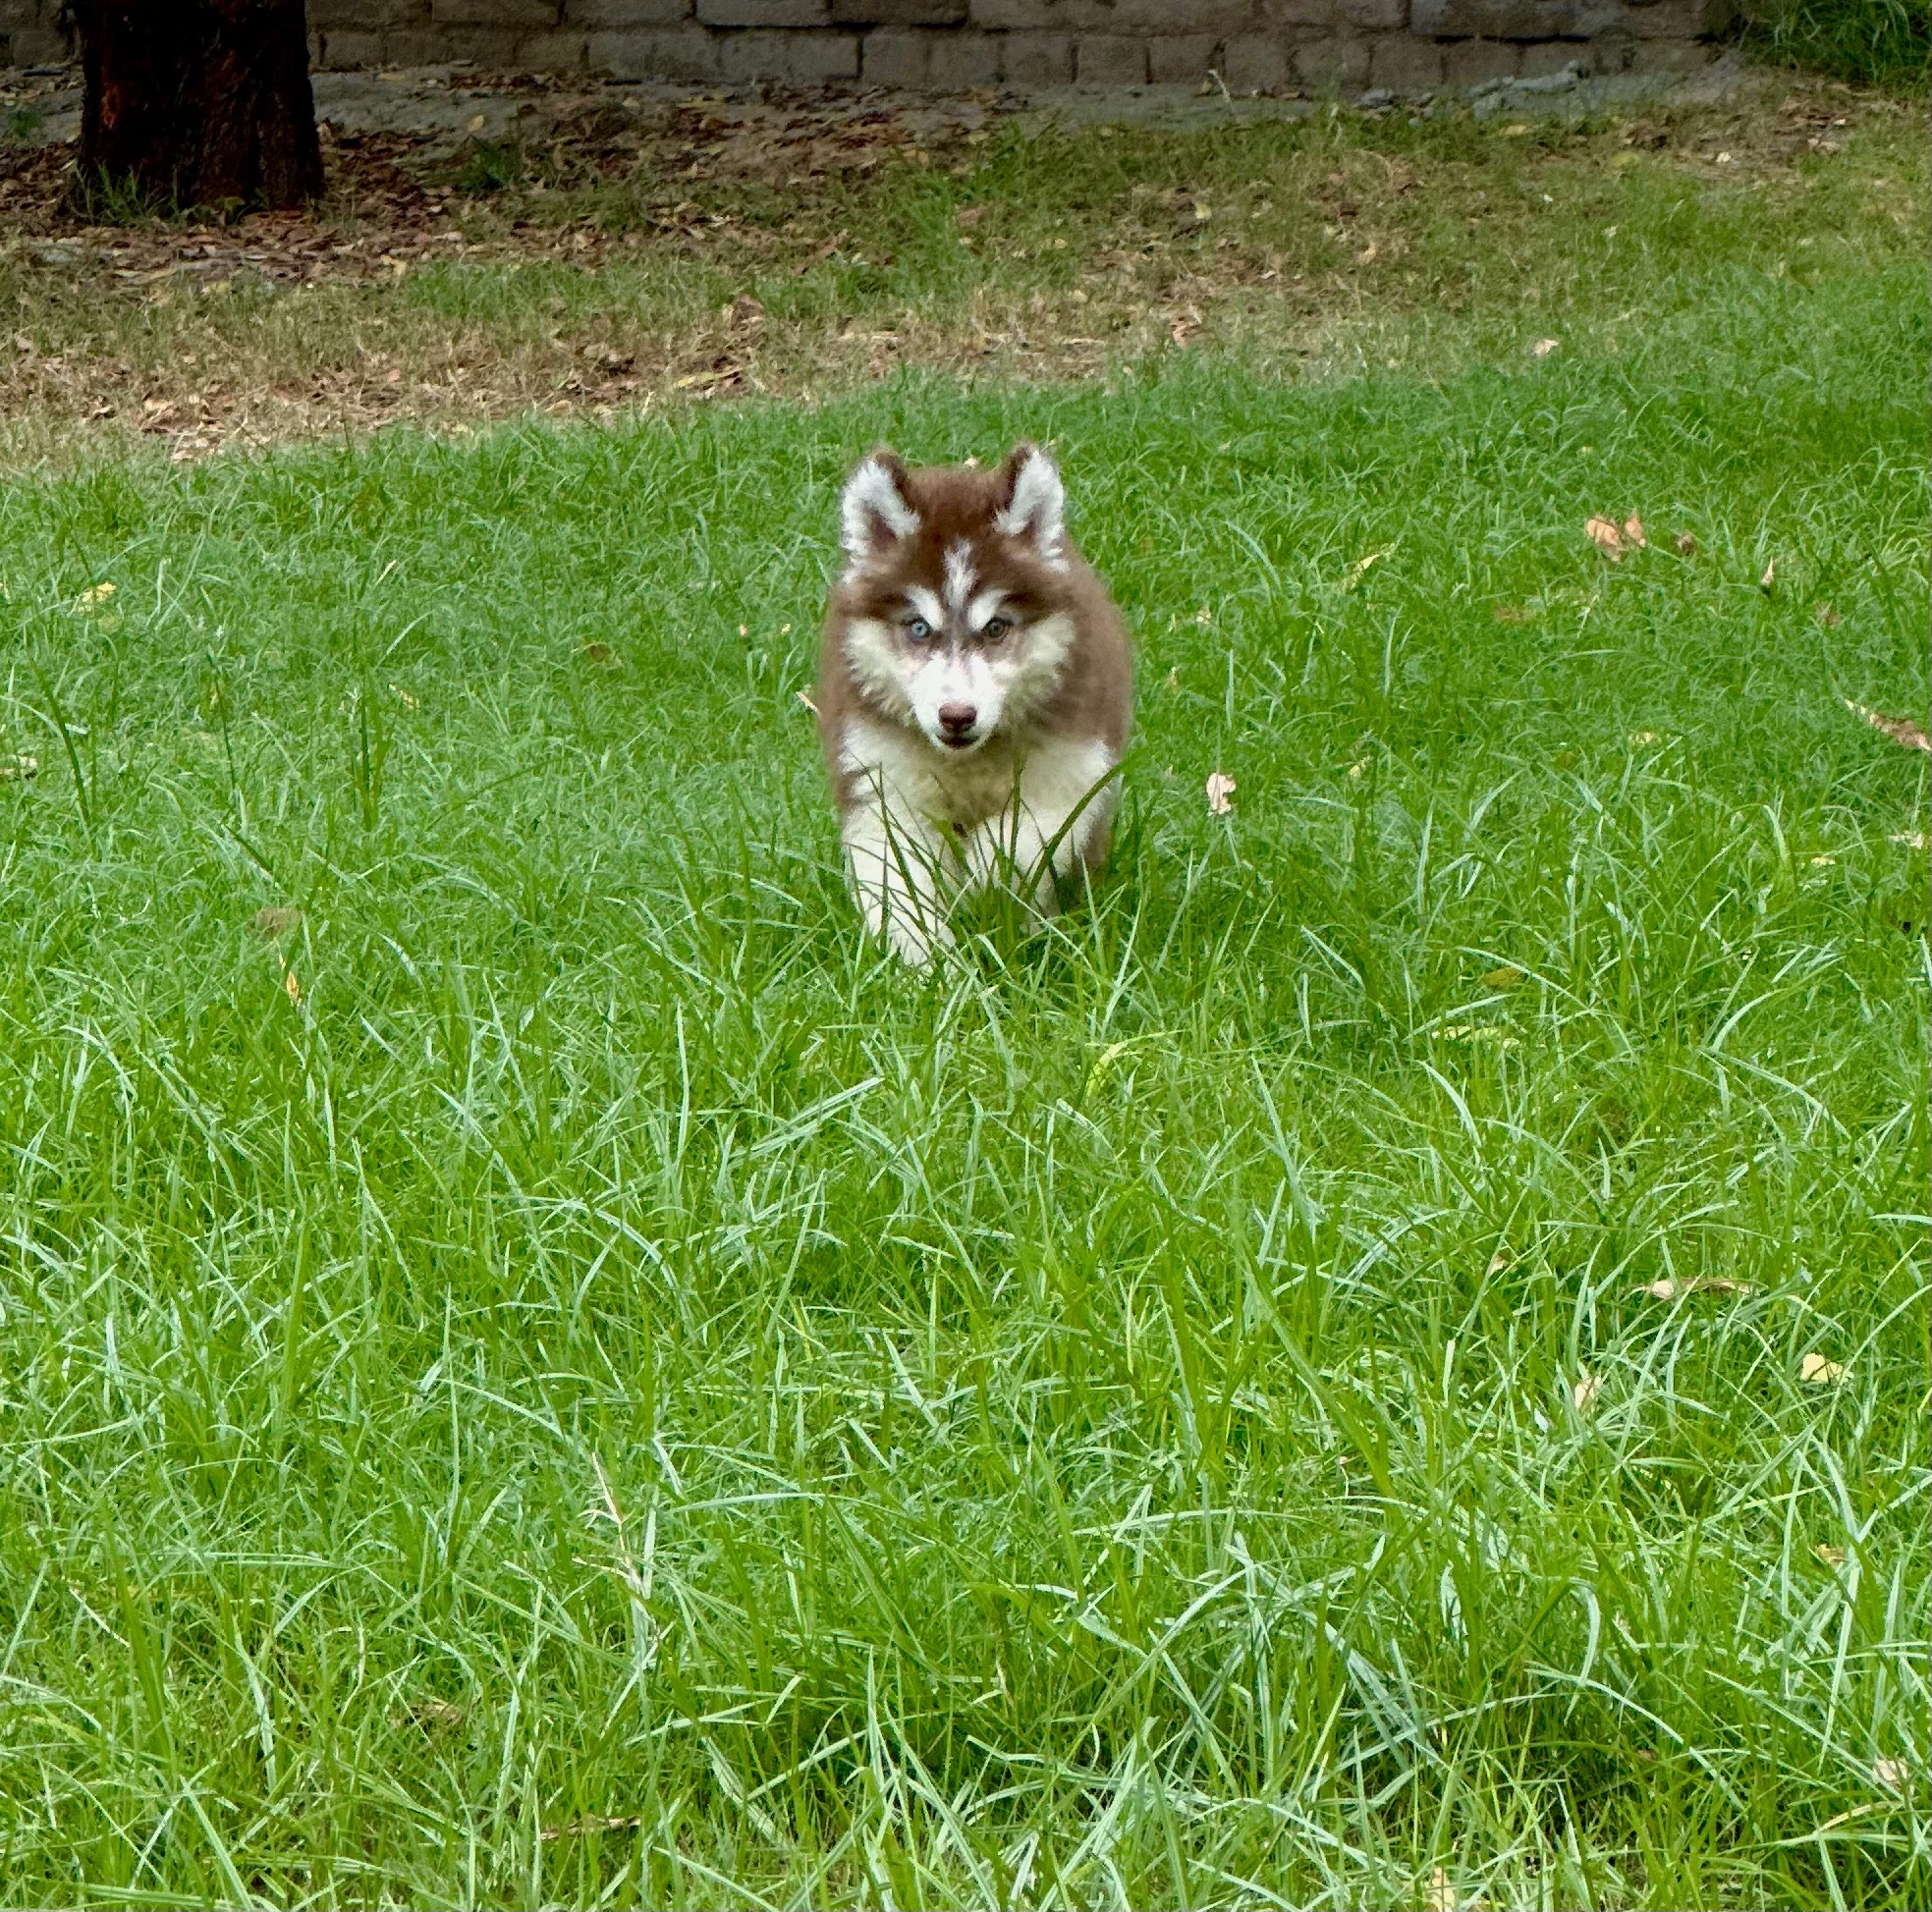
[[995, 628]]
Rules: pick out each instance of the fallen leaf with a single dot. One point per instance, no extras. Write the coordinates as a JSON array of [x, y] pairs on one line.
[[1203, 616], [1543, 348], [1894, 1775], [1512, 614], [599, 654], [1826, 615], [1770, 576], [1366, 257], [1668, 1289], [1911, 839], [1440, 1896], [1361, 568], [1687, 544], [1585, 1393], [1634, 532], [1359, 769], [1901, 729], [1820, 1371], [92, 595], [593, 1823], [969, 216], [291, 988], [1221, 789], [19, 769], [441, 1714], [1500, 1260], [1831, 1556], [275, 920], [1504, 977], [807, 702], [1643, 736], [476, 123], [1821, 862], [1607, 538]]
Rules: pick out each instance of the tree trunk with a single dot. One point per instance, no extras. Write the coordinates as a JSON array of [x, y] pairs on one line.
[[197, 103]]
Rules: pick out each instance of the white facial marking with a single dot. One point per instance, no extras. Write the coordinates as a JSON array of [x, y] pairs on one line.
[[872, 655], [958, 575], [1038, 508], [926, 604], [872, 501], [981, 612]]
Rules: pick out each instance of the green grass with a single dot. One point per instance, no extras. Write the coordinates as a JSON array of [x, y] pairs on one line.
[[1097, 1427], [1883, 42]]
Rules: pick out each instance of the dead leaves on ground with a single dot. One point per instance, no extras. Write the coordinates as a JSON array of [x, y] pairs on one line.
[[1221, 789], [275, 920], [1668, 1288], [1904, 731], [1616, 542], [1820, 1370]]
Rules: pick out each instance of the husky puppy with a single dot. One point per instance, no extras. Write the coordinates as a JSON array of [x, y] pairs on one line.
[[976, 688]]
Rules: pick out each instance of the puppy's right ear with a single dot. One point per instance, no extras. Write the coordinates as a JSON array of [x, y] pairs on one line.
[[874, 515]]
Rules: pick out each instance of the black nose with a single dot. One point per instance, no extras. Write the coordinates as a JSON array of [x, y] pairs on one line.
[[957, 720]]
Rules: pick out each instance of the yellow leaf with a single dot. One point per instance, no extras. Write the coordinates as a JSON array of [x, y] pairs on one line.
[[1831, 1556], [1818, 1370], [94, 594], [1607, 538], [1585, 1393], [1770, 576], [1439, 1895], [1361, 568], [1894, 1775], [1543, 348], [1643, 736], [1499, 1261], [1221, 789], [291, 988], [1506, 977]]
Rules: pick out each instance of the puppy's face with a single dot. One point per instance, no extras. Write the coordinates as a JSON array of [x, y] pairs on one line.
[[955, 593]]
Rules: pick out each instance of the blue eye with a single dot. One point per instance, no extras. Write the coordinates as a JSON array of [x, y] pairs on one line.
[[917, 629]]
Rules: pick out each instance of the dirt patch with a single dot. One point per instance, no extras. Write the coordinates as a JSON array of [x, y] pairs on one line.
[[489, 250]]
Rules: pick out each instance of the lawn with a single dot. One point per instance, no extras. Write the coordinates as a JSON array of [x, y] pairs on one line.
[[1380, 1362]]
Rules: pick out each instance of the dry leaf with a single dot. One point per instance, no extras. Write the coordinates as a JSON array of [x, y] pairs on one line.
[[1585, 1393], [275, 920], [1894, 1775], [1634, 532], [593, 1823], [1820, 1371], [291, 988], [19, 769], [1826, 615], [807, 702], [1361, 568], [441, 1714], [1203, 616], [1821, 862], [1831, 1556], [92, 595], [1667, 1288], [1440, 1896], [1504, 977], [1770, 576], [1911, 839], [1607, 538], [1221, 789], [1543, 348], [1643, 736], [1687, 544], [1901, 729], [1359, 769], [599, 654], [1500, 1260]]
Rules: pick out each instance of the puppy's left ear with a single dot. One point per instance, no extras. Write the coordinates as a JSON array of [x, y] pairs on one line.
[[1032, 501]]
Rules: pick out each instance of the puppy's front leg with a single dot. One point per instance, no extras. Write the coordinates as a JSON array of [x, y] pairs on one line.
[[1065, 799], [893, 865]]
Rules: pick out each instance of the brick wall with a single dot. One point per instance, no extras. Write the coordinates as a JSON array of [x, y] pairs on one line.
[[1406, 46]]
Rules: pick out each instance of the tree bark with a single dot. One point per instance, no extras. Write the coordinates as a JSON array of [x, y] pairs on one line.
[[197, 103]]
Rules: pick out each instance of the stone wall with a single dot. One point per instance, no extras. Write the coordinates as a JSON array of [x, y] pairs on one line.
[[1402, 46]]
